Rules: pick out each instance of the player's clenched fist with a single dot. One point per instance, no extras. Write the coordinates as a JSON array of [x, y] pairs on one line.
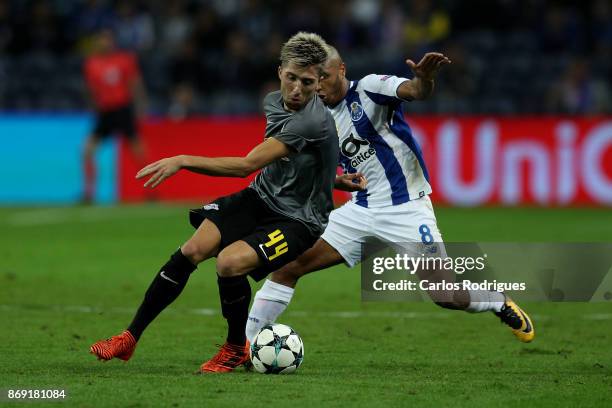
[[351, 182]]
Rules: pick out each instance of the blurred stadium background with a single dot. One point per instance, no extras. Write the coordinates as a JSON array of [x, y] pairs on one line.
[[522, 116]]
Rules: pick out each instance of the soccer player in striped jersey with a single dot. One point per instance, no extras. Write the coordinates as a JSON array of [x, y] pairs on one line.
[[376, 141]]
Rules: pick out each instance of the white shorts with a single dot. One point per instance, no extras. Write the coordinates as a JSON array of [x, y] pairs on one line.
[[351, 225]]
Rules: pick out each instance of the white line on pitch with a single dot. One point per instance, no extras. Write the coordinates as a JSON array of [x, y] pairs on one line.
[[342, 314], [598, 316], [214, 312]]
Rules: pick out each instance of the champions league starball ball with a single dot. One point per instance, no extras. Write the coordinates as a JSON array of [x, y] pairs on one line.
[[277, 349]]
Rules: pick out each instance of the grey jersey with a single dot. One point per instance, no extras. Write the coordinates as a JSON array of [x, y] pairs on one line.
[[300, 186]]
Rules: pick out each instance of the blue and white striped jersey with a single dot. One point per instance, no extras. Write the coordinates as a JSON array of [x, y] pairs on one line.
[[376, 140]]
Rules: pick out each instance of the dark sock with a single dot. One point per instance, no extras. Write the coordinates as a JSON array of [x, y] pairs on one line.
[[235, 294], [166, 287]]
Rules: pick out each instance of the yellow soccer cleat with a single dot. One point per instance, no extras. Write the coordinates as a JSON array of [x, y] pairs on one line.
[[518, 321]]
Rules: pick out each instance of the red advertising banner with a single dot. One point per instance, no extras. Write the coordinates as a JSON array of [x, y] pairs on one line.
[[514, 161], [199, 137], [471, 160]]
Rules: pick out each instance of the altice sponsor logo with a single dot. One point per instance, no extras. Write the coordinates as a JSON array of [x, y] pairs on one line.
[[357, 149]]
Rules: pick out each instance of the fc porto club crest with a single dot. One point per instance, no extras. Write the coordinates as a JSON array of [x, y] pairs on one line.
[[356, 111]]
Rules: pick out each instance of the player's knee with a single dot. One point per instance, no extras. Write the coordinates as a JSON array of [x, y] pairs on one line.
[[230, 264], [194, 252]]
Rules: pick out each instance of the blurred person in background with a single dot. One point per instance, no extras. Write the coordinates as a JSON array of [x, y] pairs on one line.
[[268, 61], [391, 22], [255, 20], [561, 30], [301, 14], [115, 84], [87, 20], [425, 27], [133, 27], [458, 83], [183, 102], [235, 74], [578, 92], [209, 30], [175, 26], [188, 77], [365, 17], [374, 35]]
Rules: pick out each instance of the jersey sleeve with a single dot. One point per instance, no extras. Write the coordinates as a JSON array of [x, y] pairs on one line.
[[268, 103], [382, 89], [293, 134]]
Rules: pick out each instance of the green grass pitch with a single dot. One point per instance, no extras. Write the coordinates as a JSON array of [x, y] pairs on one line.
[[71, 276]]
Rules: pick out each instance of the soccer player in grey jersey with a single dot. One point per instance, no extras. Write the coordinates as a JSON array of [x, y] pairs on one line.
[[261, 228]]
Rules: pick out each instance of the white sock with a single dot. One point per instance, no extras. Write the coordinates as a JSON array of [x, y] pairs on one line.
[[485, 301], [270, 301]]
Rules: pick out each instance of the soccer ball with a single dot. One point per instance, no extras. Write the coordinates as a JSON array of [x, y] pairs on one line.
[[277, 349]]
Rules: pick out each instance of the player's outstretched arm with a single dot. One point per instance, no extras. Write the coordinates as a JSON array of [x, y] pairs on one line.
[[262, 155], [421, 86]]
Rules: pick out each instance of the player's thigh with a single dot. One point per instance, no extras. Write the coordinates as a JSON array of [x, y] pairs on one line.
[[277, 243], [411, 229], [222, 223], [237, 259], [203, 244], [234, 215], [413, 221], [348, 228]]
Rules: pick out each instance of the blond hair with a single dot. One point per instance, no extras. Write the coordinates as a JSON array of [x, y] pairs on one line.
[[304, 49], [332, 53]]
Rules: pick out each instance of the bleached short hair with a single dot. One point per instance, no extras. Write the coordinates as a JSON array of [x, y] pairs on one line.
[[332, 53], [304, 49]]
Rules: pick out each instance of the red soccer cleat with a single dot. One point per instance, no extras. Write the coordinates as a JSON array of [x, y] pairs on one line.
[[229, 357], [121, 347]]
